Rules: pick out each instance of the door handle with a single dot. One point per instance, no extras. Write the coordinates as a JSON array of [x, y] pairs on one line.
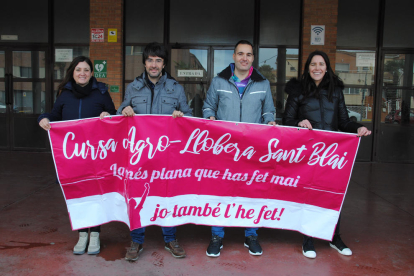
[[7, 87], [9, 92]]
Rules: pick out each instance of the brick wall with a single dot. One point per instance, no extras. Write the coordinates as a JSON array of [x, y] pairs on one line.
[[320, 12], [109, 14]]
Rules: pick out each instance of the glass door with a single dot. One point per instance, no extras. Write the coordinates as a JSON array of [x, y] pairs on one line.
[[4, 82], [23, 97], [190, 66], [396, 128]]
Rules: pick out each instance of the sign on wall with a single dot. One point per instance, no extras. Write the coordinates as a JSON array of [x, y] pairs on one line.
[[63, 55], [114, 88], [317, 34], [100, 68], [97, 35], [365, 59], [190, 73], [112, 35]]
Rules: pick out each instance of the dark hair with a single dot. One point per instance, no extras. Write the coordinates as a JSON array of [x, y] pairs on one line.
[[156, 50], [69, 72], [329, 81], [243, 42]]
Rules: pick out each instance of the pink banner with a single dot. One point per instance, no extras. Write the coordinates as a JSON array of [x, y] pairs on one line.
[[156, 170]]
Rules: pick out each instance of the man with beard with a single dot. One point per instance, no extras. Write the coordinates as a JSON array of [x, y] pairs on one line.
[[154, 92], [239, 93]]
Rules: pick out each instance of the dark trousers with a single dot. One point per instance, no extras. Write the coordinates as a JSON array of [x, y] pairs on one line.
[[93, 229]]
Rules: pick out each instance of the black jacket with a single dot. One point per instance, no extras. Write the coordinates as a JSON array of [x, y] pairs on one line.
[[321, 113], [68, 107]]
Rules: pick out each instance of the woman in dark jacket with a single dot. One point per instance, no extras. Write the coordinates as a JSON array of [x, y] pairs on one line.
[[317, 101], [80, 96]]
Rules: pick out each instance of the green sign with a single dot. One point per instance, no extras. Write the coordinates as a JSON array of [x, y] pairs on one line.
[[100, 68], [114, 88]]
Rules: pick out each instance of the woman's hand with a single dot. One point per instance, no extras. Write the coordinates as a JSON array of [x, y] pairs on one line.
[[45, 124], [103, 114], [177, 114], [363, 131], [305, 123]]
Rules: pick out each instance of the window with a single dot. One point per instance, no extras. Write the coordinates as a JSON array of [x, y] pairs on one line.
[[77, 31], [342, 67], [354, 91], [213, 21], [357, 23]]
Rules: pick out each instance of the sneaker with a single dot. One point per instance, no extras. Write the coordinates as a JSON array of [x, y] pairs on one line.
[[308, 249], [339, 245], [213, 249], [94, 244], [176, 250], [252, 243], [80, 247], [133, 252]]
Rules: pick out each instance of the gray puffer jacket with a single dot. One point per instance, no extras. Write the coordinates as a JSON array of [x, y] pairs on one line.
[[168, 96], [224, 103]]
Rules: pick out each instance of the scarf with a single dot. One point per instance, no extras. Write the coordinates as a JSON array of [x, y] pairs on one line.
[[241, 84], [81, 92]]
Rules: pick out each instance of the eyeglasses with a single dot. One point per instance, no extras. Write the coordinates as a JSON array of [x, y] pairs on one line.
[[157, 61]]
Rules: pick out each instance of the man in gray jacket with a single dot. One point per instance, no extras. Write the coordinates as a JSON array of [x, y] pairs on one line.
[[239, 93], [154, 92]]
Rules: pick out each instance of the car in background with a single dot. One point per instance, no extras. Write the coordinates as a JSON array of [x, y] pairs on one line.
[[354, 116], [395, 117], [389, 118]]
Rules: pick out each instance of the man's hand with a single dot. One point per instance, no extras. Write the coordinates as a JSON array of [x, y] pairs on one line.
[[272, 123], [103, 114], [212, 118], [305, 123], [128, 111], [363, 131], [45, 124], [177, 114]]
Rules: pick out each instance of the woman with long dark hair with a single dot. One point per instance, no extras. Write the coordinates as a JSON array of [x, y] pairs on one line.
[[317, 101], [80, 96]]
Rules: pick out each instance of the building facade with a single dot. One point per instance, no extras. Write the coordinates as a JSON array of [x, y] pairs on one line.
[[369, 42]]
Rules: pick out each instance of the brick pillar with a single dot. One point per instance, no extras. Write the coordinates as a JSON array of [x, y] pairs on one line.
[[320, 12], [108, 14]]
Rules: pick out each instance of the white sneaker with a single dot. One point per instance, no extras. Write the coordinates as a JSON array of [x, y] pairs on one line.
[[94, 244], [308, 250], [80, 247], [340, 246], [309, 254], [345, 251]]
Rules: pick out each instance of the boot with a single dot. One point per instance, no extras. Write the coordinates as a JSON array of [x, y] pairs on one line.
[[94, 244], [80, 247]]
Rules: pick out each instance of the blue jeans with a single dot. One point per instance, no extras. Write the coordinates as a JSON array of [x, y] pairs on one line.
[[219, 231], [138, 235]]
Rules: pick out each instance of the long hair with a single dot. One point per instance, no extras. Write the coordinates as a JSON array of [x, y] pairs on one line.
[[69, 72], [329, 81]]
